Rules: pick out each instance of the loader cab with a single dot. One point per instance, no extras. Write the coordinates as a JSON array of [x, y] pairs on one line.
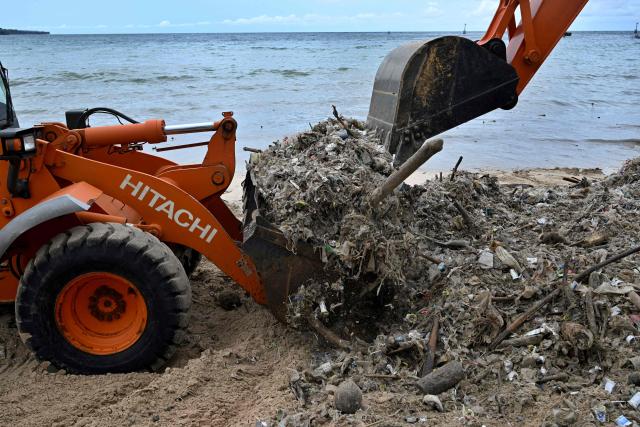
[[7, 114]]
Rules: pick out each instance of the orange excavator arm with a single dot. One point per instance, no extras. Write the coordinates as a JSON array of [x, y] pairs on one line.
[[425, 88], [543, 23]]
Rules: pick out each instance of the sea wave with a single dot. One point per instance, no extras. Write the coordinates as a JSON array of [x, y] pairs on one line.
[[289, 73], [268, 48]]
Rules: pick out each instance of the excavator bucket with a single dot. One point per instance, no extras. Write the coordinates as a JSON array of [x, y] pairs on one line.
[[283, 267], [425, 88]]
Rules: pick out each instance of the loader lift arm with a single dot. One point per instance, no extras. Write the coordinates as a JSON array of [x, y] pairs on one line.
[[426, 88]]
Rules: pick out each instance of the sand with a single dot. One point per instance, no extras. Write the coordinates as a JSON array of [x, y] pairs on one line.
[[233, 370]]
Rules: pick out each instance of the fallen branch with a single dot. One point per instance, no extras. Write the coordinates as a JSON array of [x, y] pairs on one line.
[[429, 258], [590, 312], [463, 212], [327, 334], [428, 150], [563, 376], [383, 376], [252, 150], [523, 341], [515, 325], [455, 169], [342, 122], [579, 278], [442, 379], [431, 350], [451, 244]]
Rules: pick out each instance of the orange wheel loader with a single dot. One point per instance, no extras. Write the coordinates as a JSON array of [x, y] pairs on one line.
[[97, 237]]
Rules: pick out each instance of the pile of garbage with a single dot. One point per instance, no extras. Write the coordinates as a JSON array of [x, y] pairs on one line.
[[459, 300]]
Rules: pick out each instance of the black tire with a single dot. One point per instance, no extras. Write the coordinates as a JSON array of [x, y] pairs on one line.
[[120, 250], [189, 258]]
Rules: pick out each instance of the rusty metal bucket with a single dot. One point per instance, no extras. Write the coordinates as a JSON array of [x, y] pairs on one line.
[[425, 88], [282, 271]]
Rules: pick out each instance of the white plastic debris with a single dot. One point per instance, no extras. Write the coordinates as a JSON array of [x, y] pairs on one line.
[[615, 311], [622, 421], [595, 370], [630, 339], [542, 221], [485, 259], [433, 402], [507, 259], [325, 368], [635, 400], [512, 375], [323, 308], [609, 385], [614, 287], [544, 328], [532, 261], [508, 365], [514, 274]]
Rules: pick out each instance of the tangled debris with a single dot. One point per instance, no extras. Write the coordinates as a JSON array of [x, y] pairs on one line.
[[475, 284]]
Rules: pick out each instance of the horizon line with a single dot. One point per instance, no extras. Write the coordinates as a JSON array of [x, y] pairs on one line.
[[291, 32]]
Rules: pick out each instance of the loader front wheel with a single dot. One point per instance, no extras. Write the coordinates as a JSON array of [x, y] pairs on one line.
[[103, 298]]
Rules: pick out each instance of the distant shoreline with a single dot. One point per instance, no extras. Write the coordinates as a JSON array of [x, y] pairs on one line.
[[10, 32], [453, 32]]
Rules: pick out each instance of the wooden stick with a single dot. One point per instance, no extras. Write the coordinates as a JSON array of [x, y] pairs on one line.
[[579, 278], [342, 122], [571, 179], [515, 325], [455, 169], [429, 258], [563, 376], [463, 212], [433, 343], [590, 312], [442, 379], [428, 150], [523, 341], [383, 376], [327, 334], [251, 150]]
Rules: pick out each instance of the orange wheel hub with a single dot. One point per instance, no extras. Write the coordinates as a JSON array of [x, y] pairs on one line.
[[101, 313]]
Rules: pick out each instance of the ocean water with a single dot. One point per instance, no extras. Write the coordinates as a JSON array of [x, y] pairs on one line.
[[581, 110]]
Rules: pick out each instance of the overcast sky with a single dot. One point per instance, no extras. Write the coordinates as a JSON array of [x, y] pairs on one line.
[[149, 16]]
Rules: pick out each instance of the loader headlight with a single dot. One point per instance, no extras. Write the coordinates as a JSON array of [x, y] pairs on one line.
[[18, 142]]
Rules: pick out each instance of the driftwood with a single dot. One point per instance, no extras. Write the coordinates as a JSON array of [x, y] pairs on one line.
[[590, 312], [431, 350], [327, 334], [585, 274], [515, 325], [455, 169], [442, 379], [252, 150], [463, 212], [523, 341], [563, 376], [428, 150], [342, 122], [451, 244]]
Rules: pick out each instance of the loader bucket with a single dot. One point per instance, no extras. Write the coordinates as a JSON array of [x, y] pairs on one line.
[[425, 88], [282, 268]]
